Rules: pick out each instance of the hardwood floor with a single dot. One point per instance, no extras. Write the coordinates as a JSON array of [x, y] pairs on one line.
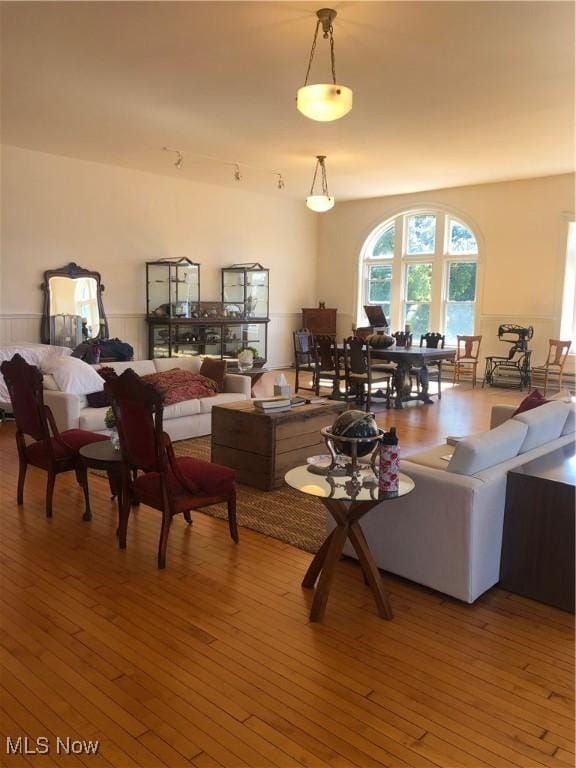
[[213, 662]]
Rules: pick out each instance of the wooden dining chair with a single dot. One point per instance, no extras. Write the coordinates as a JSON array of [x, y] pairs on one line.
[[360, 374], [403, 339], [327, 359], [38, 440], [467, 353], [173, 485], [304, 357], [431, 341], [555, 361]]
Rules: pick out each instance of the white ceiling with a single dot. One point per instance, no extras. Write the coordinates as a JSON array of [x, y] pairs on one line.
[[445, 93]]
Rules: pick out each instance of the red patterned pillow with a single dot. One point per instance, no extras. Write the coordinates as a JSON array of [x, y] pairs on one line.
[[177, 385], [533, 400]]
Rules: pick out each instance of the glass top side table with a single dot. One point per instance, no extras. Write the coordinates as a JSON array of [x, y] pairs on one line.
[[347, 503]]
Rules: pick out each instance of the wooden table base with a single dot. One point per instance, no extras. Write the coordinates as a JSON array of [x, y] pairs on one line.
[[323, 566]]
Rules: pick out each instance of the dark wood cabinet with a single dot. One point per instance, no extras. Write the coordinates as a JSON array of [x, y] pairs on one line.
[[319, 321], [538, 537]]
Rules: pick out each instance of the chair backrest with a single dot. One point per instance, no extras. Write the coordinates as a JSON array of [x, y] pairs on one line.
[[326, 351], [356, 355], [138, 409], [24, 382], [432, 340], [403, 339], [303, 344], [557, 352], [468, 347]]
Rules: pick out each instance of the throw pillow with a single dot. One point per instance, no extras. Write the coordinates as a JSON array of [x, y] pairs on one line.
[[177, 385], [73, 376], [473, 454], [215, 370], [533, 400], [102, 399]]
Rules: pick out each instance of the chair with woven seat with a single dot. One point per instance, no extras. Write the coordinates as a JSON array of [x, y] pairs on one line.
[[53, 451], [173, 485], [304, 357], [328, 363], [467, 353], [431, 341], [555, 361], [360, 374]]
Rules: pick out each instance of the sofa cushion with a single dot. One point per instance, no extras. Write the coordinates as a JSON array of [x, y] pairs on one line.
[[570, 426], [191, 363], [208, 403], [215, 370], [479, 452], [185, 408], [533, 400], [141, 367], [432, 457], [73, 376], [544, 423]]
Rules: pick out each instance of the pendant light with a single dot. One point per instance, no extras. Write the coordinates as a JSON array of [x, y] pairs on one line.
[[320, 202], [324, 101]]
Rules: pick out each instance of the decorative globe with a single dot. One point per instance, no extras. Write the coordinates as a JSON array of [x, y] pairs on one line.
[[355, 424]]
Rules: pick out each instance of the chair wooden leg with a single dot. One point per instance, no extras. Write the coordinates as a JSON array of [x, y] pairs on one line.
[[474, 376], [232, 524], [22, 467], [368, 398], [82, 476], [545, 382], [296, 380], [439, 380], [124, 514], [188, 517], [166, 523], [50, 492]]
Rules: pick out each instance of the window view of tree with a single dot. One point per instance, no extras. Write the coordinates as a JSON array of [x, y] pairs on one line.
[[461, 239], [379, 286], [418, 297], [421, 235], [385, 243], [459, 314], [426, 279]]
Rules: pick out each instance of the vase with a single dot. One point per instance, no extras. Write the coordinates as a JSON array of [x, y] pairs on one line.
[[245, 360]]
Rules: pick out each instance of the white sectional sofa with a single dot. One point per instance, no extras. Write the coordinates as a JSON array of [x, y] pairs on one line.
[[447, 534], [190, 418]]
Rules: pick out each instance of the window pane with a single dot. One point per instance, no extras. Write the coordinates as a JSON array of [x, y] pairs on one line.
[[419, 282], [462, 281], [459, 321], [379, 284], [418, 315], [461, 239], [385, 243], [421, 235]]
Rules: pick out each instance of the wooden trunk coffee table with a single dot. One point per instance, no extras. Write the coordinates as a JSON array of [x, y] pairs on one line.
[[262, 447]]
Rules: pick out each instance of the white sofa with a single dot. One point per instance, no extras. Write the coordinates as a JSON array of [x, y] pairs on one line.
[[190, 418], [447, 533]]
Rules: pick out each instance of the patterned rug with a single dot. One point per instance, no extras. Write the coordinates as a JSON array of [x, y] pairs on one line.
[[283, 514]]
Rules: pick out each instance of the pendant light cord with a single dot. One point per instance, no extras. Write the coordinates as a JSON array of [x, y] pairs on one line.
[[320, 164], [328, 33]]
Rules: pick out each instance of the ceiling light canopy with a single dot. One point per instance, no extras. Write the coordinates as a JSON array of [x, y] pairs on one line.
[[320, 202], [324, 101]]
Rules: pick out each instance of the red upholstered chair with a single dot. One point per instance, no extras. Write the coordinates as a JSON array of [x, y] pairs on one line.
[[170, 484], [51, 450]]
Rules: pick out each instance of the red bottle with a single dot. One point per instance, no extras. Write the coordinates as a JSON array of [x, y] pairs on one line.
[[389, 473]]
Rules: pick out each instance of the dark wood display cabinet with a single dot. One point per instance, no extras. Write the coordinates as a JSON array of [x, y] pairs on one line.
[[319, 321]]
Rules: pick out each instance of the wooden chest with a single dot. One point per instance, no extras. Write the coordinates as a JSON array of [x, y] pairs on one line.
[[319, 321], [262, 447]]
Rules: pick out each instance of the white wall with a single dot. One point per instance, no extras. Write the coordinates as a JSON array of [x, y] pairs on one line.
[[58, 209], [522, 226]]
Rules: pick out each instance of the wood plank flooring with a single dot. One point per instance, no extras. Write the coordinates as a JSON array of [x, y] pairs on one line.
[[213, 663]]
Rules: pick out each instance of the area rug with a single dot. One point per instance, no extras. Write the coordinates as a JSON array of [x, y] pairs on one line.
[[283, 514]]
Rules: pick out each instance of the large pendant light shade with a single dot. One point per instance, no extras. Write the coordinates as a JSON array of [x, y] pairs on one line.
[[320, 202], [324, 101]]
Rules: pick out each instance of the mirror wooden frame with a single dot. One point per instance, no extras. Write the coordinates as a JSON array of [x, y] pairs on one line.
[[73, 271]]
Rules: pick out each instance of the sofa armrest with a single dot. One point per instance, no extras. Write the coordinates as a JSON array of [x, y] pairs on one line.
[[65, 408], [500, 414], [242, 385]]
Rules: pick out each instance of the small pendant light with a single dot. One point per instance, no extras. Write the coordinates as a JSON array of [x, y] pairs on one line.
[[320, 202]]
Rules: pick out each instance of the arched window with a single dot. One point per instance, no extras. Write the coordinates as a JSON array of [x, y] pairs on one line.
[[421, 268]]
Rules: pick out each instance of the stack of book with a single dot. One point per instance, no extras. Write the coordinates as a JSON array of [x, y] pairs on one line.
[[272, 404]]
